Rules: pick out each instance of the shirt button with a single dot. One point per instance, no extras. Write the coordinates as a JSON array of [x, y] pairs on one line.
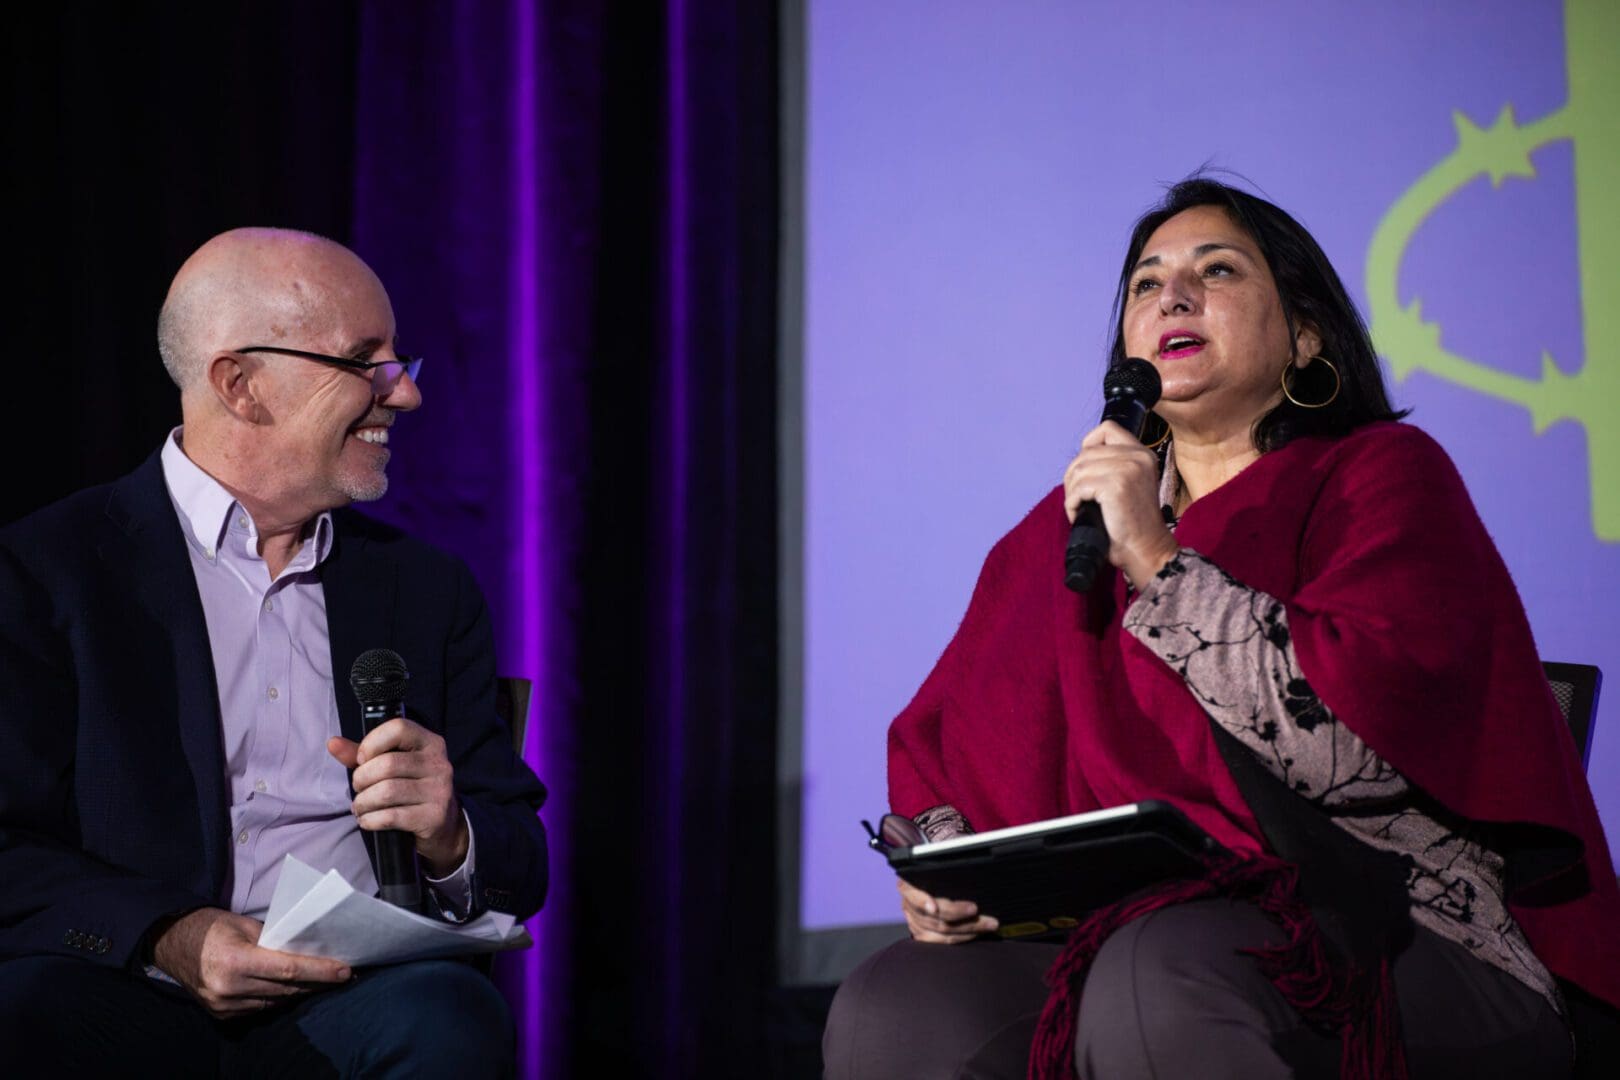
[[241, 837], [241, 519], [260, 785], [208, 553], [274, 693], [269, 605]]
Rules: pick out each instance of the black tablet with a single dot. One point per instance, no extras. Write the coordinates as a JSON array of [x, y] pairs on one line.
[[1041, 879]]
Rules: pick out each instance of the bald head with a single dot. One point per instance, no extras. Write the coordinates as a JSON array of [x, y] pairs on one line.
[[253, 287]]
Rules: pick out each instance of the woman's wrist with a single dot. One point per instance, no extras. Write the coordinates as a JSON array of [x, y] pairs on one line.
[[1143, 567]]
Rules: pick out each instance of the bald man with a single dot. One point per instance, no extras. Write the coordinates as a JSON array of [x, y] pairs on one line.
[[171, 648]]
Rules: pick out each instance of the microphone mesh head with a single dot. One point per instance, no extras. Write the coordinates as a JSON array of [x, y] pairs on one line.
[[1133, 377], [379, 677]]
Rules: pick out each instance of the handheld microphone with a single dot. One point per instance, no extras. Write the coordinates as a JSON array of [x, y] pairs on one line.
[[378, 679], [1130, 390]]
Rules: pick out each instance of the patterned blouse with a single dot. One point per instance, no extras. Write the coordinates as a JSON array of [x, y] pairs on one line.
[[1232, 647]]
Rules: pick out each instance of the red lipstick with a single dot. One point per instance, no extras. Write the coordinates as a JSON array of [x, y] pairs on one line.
[[1185, 343]]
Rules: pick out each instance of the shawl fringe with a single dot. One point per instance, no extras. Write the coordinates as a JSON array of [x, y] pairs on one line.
[[1333, 996]]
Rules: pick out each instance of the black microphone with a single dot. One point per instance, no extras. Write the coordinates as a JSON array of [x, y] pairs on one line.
[[379, 679], [1130, 390]]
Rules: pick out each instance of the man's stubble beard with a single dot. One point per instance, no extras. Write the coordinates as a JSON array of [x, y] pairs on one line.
[[369, 489]]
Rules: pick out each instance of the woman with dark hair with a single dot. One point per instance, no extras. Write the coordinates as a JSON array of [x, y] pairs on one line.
[[1335, 397], [1312, 648]]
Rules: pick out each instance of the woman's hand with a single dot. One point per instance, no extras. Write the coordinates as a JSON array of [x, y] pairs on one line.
[[1119, 474], [946, 922]]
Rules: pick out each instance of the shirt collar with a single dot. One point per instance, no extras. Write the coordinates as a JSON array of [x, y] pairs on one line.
[[1169, 479], [205, 507]]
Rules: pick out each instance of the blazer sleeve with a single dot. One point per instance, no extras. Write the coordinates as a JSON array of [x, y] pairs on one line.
[[501, 795], [54, 897]]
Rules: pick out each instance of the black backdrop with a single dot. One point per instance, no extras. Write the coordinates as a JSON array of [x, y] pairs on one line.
[[134, 132]]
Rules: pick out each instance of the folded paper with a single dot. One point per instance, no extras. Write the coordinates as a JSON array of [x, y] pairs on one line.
[[317, 914]]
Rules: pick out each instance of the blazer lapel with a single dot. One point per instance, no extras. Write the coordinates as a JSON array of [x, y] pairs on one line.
[[361, 592], [360, 589], [147, 543]]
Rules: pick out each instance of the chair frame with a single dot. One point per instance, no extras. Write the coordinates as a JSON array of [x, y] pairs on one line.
[[1585, 683]]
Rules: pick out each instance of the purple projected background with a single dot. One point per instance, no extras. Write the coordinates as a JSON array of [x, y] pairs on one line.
[[971, 174]]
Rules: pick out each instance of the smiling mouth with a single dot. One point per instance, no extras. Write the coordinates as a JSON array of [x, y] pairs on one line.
[[376, 436], [1178, 343]]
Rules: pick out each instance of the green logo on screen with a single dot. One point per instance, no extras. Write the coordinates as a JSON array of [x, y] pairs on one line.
[[1590, 396]]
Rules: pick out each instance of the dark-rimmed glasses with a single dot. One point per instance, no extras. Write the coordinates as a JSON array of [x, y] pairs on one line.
[[894, 831], [384, 374]]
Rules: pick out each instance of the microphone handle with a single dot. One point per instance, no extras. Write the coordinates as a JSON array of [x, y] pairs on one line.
[[396, 850], [1087, 547], [1088, 536]]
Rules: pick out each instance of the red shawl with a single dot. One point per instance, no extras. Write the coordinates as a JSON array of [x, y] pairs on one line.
[[1405, 622]]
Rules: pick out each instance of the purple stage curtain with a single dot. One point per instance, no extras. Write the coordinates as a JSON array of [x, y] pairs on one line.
[[574, 210]]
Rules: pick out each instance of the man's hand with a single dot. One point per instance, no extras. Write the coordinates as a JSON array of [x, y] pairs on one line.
[[948, 922], [215, 955], [403, 780]]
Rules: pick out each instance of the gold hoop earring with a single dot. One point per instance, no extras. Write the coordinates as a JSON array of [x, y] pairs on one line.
[[1162, 439], [1288, 391]]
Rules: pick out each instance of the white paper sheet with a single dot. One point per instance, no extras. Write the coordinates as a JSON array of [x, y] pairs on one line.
[[321, 915]]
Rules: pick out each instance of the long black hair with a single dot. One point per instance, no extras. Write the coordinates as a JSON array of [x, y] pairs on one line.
[[1311, 292]]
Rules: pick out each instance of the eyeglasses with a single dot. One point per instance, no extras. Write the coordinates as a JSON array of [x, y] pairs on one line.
[[385, 374], [894, 831]]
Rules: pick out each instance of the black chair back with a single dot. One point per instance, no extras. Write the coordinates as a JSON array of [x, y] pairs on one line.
[[1576, 687]]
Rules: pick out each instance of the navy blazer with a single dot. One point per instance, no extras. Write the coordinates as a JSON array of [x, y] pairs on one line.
[[113, 794]]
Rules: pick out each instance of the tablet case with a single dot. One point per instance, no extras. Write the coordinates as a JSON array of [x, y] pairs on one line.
[[1040, 880]]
